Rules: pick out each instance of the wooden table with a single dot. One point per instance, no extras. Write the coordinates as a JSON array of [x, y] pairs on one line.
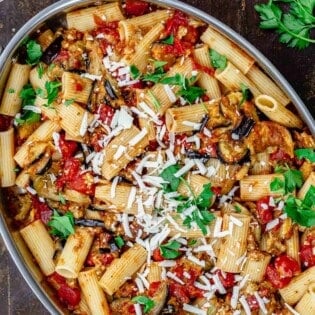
[[297, 66]]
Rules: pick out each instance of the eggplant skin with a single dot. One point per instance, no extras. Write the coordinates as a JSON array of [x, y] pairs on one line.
[[243, 129], [52, 51], [232, 152]]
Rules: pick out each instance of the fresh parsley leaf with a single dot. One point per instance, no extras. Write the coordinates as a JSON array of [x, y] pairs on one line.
[[119, 241], [277, 185], [170, 250], [308, 154], [217, 61], [69, 102], [159, 64], [62, 226], [191, 93], [33, 51], [294, 28], [153, 77], [177, 79], [247, 95], [27, 95], [280, 169], [145, 301], [40, 70], [169, 40], [52, 91], [192, 242], [302, 211], [11, 91], [135, 72], [237, 209], [205, 197], [168, 175], [293, 179], [28, 117]]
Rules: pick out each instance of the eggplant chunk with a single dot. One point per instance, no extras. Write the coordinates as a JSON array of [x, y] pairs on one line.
[[52, 51], [243, 129], [110, 90], [89, 223], [232, 152]]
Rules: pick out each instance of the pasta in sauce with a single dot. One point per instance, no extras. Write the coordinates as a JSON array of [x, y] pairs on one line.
[[151, 167]]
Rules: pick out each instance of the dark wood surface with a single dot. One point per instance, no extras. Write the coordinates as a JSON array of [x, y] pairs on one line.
[[297, 66]]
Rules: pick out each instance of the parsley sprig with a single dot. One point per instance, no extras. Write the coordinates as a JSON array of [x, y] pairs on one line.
[[199, 204], [294, 27], [62, 225], [307, 153], [28, 96], [170, 250], [145, 301], [187, 90]]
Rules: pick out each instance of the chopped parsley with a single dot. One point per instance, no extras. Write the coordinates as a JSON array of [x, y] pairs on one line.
[[119, 241], [308, 154], [33, 51], [169, 40], [154, 100], [170, 250], [52, 89], [62, 198], [247, 95], [61, 225], [292, 179], [277, 185], [145, 301], [168, 175], [11, 91], [40, 70], [69, 102], [135, 72], [302, 211], [217, 61]]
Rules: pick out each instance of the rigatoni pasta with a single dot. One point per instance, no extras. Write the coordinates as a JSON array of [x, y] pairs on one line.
[[151, 166]]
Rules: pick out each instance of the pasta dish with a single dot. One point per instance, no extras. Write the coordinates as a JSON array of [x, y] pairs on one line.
[[150, 166]]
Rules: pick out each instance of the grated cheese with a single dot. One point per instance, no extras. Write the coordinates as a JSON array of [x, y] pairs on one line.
[[137, 138], [113, 187], [119, 152], [188, 165], [172, 276], [31, 190], [261, 303], [291, 309], [197, 261], [170, 94], [139, 285], [167, 263], [236, 221], [92, 77], [234, 297], [138, 309], [273, 223], [125, 223], [195, 126], [245, 305], [84, 124]]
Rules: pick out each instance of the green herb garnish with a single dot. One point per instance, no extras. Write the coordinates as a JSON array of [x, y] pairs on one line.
[[168, 175], [302, 211], [135, 72], [52, 91], [217, 61], [119, 241], [61, 225], [40, 70], [33, 51], [145, 301], [247, 95], [11, 91], [294, 27], [169, 40], [69, 102], [170, 250], [307, 153], [277, 185]]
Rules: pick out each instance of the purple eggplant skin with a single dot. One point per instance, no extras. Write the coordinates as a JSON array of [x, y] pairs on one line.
[[52, 51], [243, 129]]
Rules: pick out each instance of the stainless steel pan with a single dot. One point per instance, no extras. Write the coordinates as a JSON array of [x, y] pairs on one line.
[[54, 14]]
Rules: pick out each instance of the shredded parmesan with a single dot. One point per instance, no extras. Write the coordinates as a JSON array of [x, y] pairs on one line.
[[137, 138], [245, 305], [84, 124]]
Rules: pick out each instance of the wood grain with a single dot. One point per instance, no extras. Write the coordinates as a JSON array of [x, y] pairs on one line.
[[297, 66]]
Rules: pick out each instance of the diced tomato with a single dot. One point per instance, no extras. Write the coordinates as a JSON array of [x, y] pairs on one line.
[[307, 252], [287, 266], [157, 256], [264, 210], [154, 286], [153, 145], [106, 113], [42, 211], [83, 183], [194, 292], [226, 278], [69, 296], [90, 260], [136, 7], [56, 280], [217, 190], [280, 273], [131, 309], [5, 122], [198, 66], [62, 56], [74, 179], [106, 259], [252, 302], [173, 23], [67, 147], [280, 156], [179, 48], [179, 292]]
